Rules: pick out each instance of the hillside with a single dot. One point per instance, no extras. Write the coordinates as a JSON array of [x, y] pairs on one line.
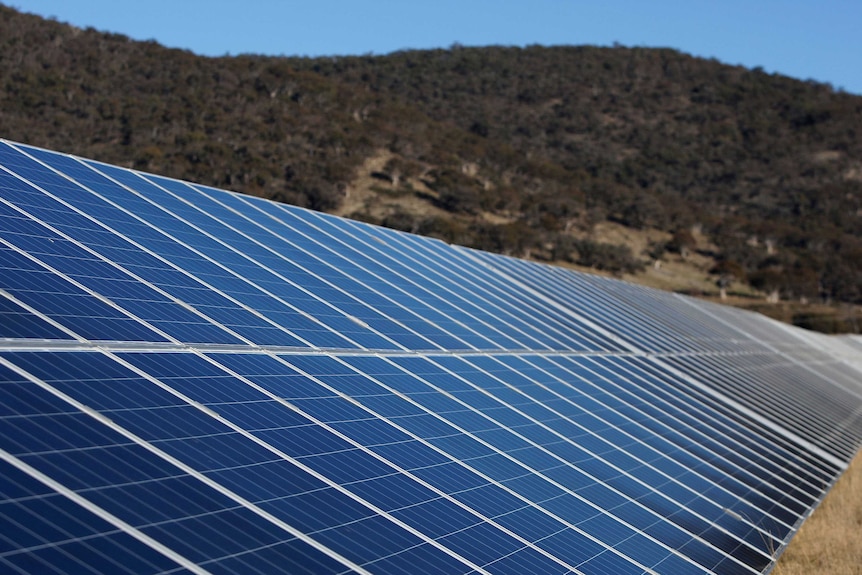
[[609, 158]]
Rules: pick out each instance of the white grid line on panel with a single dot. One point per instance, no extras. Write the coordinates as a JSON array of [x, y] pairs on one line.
[[596, 456], [772, 397], [713, 392], [563, 309], [279, 255], [78, 339], [528, 469], [741, 449], [149, 252], [178, 463], [87, 504], [200, 254], [275, 273], [456, 460], [602, 390], [375, 455], [716, 456], [284, 456], [86, 290], [84, 344], [452, 296], [750, 413], [209, 259], [113, 264], [284, 223], [411, 252], [413, 284]]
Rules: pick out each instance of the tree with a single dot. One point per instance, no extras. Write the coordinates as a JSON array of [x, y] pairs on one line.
[[728, 271], [682, 242]]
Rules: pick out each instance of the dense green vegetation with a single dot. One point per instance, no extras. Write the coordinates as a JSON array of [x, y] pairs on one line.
[[548, 141]]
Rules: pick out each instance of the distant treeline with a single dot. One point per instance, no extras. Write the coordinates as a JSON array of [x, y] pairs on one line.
[[551, 141]]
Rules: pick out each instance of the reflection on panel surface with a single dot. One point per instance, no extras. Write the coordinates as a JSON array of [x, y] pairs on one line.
[[197, 381]]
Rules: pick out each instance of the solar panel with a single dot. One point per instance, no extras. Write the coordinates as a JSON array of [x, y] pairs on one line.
[[196, 381]]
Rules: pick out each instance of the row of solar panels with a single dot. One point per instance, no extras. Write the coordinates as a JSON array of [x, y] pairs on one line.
[[197, 381]]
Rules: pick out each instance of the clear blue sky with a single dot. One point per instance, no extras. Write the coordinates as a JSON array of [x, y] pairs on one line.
[[807, 39]]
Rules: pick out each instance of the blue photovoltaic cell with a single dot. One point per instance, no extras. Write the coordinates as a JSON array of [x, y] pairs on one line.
[[43, 531], [17, 322], [134, 484], [71, 306], [197, 381], [334, 305], [525, 315]]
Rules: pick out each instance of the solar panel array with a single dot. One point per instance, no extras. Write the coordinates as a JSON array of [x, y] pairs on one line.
[[196, 381]]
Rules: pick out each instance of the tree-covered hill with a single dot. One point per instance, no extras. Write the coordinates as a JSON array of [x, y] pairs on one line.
[[523, 151]]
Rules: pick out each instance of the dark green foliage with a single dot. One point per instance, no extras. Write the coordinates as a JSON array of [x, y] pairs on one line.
[[681, 242], [552, 139], [729, 269], [656, 250], [400, 220], [608, 257], [456, 192]]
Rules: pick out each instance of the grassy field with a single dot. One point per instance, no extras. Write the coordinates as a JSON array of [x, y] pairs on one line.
[[830, 542]]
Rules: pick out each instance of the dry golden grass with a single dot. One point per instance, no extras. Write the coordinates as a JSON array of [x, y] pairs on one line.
[[830, 542]]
